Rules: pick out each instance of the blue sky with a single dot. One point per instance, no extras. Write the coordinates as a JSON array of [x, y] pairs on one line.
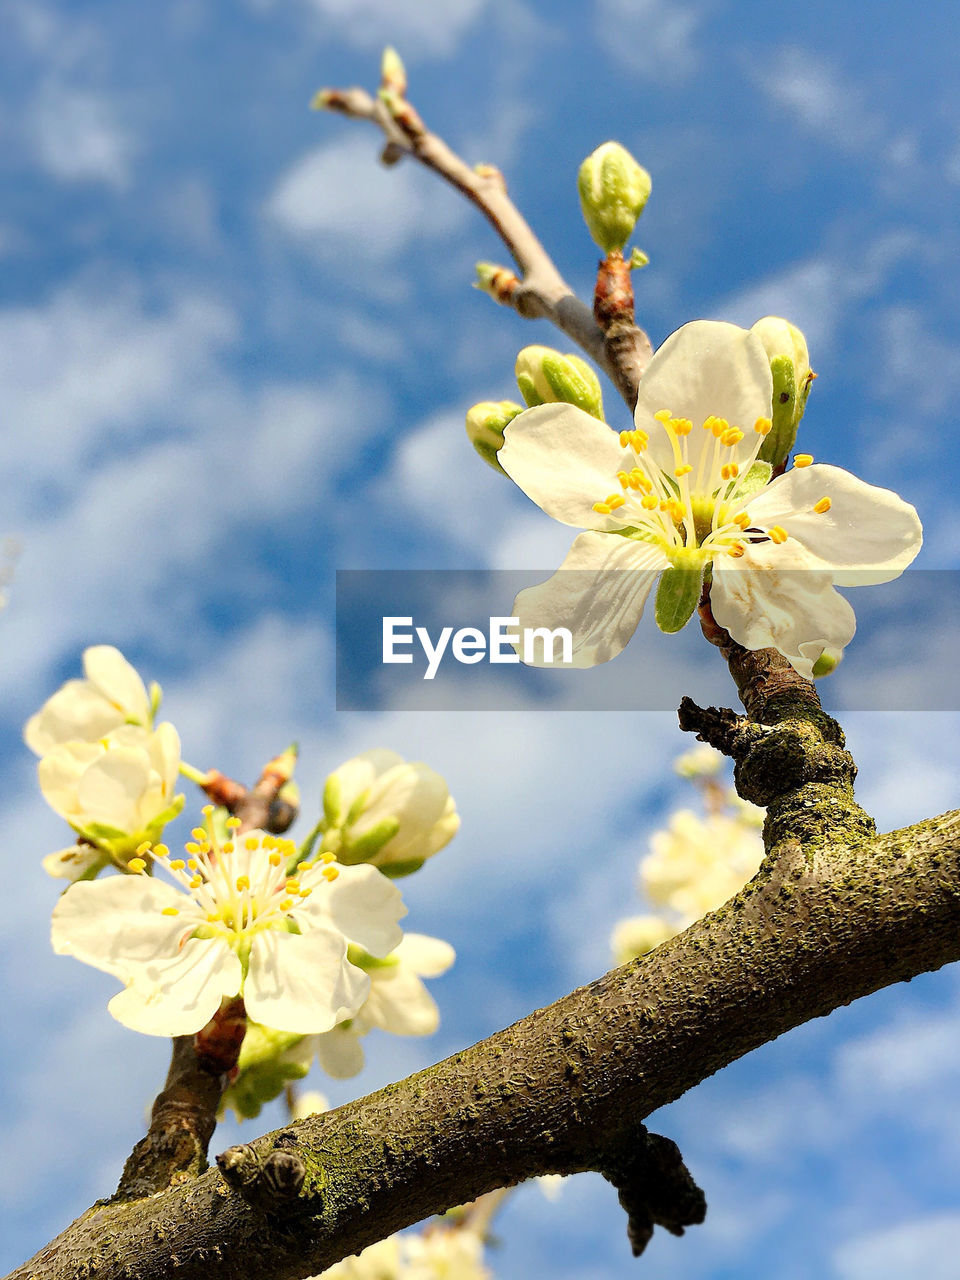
[[235, 355]]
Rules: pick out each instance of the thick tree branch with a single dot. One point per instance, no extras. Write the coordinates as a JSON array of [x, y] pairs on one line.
[[540, 291], [828, 919]]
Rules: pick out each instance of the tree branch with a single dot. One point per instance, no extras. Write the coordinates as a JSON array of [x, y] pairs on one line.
[[540, 291]]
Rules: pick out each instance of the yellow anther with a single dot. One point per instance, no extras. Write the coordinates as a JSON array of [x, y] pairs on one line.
[[160, 851], [328, 857], [143, 848], [684, 470], [624, 439], [192, 864], [640, 440], [777, 534], [729, 470], [287, 847], [623, 478], [232, 823], [736, 550], [199, 833], [682, 426], [192, 847], [275, 859], [330, 873], [170, 911], [649, 502], [196, 882], [732, 436], [802, 459], [763, 426], [242, 882], [176, 864], [292, 885], [227, 847], [251, 843], [136, 864], [822, 506], [663, 415], [286, 904], [213, 917], [741, 520], [305, 893], [615, 500], [718, 426], [208, 810], [601, 508]]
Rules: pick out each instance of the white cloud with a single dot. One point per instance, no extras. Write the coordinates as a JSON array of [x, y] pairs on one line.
[[79, 137], [652, 37], [926, 1247], [340, 200], [427, 28]]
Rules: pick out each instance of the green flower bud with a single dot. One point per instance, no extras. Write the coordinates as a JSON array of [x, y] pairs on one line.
[[486, 423], [544, 376], [393, 74], [269, 1060], [613, 190], [786, 349]]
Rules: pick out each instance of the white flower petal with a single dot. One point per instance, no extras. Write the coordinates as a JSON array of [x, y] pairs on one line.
[[116, 924], [359, 774], [399, 1002], [868, 535], [59, 772], [793, 610], [112, 675], [302, 983], [429, 957], [179, 994], [339, 1052], [417, 796], [598, 594], [706, 367], [565, 461], [72, 863], [75, 711], [109, 790], [363, 905]]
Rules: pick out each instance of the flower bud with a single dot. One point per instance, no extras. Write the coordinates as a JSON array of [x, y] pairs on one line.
[[544, 376], [382, 810], [393, 74], [786, 349], [269, 1060], [486, 423], [613, 190]]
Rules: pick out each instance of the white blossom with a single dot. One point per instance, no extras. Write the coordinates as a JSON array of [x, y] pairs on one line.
[[235, 923], [683, 492], [111, 694]]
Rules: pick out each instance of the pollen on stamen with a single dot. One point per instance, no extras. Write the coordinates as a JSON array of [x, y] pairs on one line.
[[683, 471], [143, 848], [777, 534], [292, 885], [286, 904], [137, 865], [275, 859], [822, 506], [802, 459], [328, 857], [649, 502], [729, 471], [251, 843], [176, 864], [160, 851], [227, 847], [682, 426], [214, 916], [330, 873], [741, 520], [199, 833], [208, 810], [242, 882], [601, 508], [196, 882], [624, 439], [732, 436], [718, 426], [763, 426], [170, 911], [663, 415], [736, 549], [305, 893], [624, 479], [615, 500], [232, 823], [192, 847]]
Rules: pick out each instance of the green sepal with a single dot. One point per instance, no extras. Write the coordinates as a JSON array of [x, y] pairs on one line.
[[268, 1061], [333, 800], [364, 960], [677, 597], [355, 810], [366, 847], [572, 381], [531, 396], [396, 870], [785, 416]]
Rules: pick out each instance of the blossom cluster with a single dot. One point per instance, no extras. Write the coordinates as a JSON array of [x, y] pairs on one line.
[[696, 863], [436, 1253], [308, 935]]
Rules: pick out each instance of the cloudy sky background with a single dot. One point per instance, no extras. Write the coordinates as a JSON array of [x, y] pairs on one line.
[[235, 355]]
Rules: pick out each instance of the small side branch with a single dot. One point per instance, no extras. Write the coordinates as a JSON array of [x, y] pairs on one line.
[[540, 290]]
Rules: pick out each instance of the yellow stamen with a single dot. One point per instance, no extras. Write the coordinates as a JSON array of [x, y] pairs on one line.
[[192, 847], [275, 859], [208, 810], [232, 823], [199, 833], [777, 534], [192, 864], [214, 916], [286, 904], [718, 426], [196, 882], [623, 478], [822, 506], [176, 864], [251, 843], [736, 550], [615, 500], [305, 893], [682, 426], [328, 857], [802, 459], [160, 851], [170, 911], [729, 470], [742, 520], [649, 502], [624, 439], [243, 882], [732, 436], [663, 415], [763, 426], [601, 508], [292, 885], [143, 848], [136, 864], [330, 873], [683, 471], [227, 847]]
